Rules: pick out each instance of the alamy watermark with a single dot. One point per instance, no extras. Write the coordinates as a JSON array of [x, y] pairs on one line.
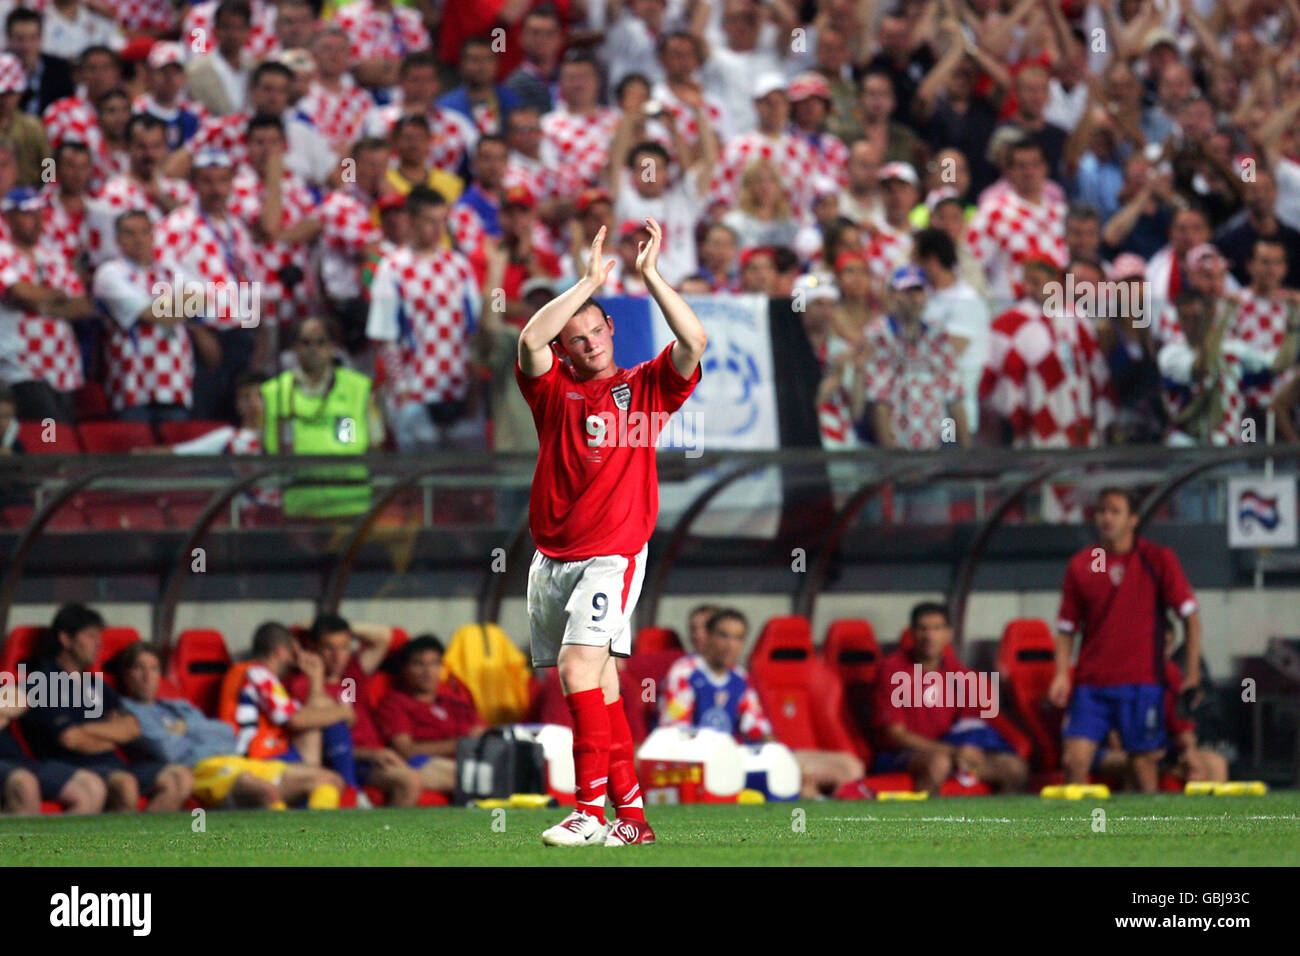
[[59, 689], [959, 689]]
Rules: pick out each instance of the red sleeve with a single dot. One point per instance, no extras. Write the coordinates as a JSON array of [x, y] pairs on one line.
[[391, 719], [667, 385], [538, 389], [1175, 591], [298, 686]]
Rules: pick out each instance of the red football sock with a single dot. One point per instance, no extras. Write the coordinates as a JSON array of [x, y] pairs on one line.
[[624, 788], [590, 749]]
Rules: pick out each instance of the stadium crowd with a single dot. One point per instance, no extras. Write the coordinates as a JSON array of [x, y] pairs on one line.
[[1041, 225]]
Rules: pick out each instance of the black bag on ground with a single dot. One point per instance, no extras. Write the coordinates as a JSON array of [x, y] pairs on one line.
[[501, 762]]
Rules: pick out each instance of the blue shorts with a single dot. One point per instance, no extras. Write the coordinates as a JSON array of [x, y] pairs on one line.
[[984, 737], [289, 756], [891, 761], [1135, 710]]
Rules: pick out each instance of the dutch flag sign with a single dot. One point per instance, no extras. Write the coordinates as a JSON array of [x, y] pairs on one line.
[[1261, 513]]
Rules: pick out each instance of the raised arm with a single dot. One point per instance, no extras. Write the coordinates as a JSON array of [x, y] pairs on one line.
[[535, 355], [686, 325]]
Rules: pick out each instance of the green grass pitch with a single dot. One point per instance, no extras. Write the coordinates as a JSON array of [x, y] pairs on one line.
[[1140, 830]]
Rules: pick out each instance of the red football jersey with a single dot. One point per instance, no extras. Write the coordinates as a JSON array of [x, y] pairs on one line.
[[933, 718], [596, 487], [446, 718], [1119, 610], [364, 733]]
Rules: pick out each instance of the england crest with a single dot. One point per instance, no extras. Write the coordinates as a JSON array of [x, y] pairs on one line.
[[622, 395]]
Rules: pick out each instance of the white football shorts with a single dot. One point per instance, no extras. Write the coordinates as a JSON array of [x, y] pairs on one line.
[[583, 602]]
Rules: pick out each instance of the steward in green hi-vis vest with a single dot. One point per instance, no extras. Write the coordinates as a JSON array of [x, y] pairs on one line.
[[336, 423]]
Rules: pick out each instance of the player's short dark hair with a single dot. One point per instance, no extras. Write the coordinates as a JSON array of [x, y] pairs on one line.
[[647, 146], [926, 608], [489, 138], [112, 93], [268, 636], [422, 196], [785, 259], [368, 143], [411, 119], [419, 645], [691, 38], [1267, 241], [476, 41], [1128, 494], [327, 624], [577, 54], [264, 121], [269, 68], [710, 609], [1023, 143], [935, 243], [728, 614], [139, 121], [97, 49], [73, 618], [546, 11], [22, 15], [589, 303], [628, 80]]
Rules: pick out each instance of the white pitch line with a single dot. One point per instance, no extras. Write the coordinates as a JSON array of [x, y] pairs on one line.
[[1285, 816]]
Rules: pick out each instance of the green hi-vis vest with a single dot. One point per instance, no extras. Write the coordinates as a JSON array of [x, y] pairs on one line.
[[334, 424]]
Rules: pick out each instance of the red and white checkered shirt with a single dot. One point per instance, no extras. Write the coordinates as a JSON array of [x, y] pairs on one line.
[[425, 305], [47, 347], [1009, 229], [466, 227], [918, 380], [678, 707], [578, 144], [832, 156], [793, 158], [198, 30], [69, 232], [227, 133], [1261, 324], [119, 194], [147, 362], [543, 181], [296, 204], [1046, 376], [338, 116], [453, 135], [144, 16], [888, 249], [195, 249], [349, 230], [390, 34], [688, 126], [74, 118]]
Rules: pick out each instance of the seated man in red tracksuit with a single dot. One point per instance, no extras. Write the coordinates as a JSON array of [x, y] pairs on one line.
[[935, 729]]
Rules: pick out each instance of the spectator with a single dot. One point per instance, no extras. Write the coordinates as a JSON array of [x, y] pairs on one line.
[[903, 58], [382, 32], [476, 216], [772, 140], [71, 26], [421, 720], [958, 311], [943, 736], [496, 351], [1126, 341], [424, 303], [736, 66], [1018, 223], [576, 135], [762, 216], [175, 731], [1092, 166], [87, 728], [1266, 316], [1046, 382], [1083, 233], [1238, 239], [890, 246], [271, 725], [535, 80], [479, 98], [681, 94], [1115, 684], [913, 382], [75, 116], [894, 142], [150, 360], [334, 100], [810, 104], [758, 271], [67, 200], [948, 215], [46, 78], [258, 43], [526, 165], [39, 356], [629, 45], [1168, 268], [860, 199], [295, 24], [218, 79], [1146, 211], [718, 262], [243, 438], [452, 135], [164, 95], [21, 129], [953, 115], [710, 689]]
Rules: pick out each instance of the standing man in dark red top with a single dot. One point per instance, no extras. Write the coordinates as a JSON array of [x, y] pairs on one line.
[[1115, 598], [594, 502]]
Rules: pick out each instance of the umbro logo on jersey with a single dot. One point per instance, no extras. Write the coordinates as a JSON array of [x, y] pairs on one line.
[[622, 395], [573, 395]]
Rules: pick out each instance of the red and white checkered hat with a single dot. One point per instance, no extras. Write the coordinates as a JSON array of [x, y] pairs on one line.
[[164, 53], [12, 77], [807, 85]]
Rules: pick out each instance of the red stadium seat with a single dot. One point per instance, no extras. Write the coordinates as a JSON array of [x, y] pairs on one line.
[[799, 694], [1027, 663], [21, 644], [853, 654], [652, 640], [122, 511], [115, 437], [114, 640], [57, 439], [197, 664], [90, 403], [173, 433]]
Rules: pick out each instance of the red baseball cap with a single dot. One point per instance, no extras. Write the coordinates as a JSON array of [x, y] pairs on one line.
[[519, 195], [590, 197]]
